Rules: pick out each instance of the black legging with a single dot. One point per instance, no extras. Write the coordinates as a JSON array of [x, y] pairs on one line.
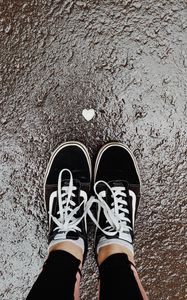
[[58, 277]]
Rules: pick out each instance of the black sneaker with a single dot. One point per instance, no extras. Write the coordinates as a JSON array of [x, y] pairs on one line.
[[66, 188], [117, 195]]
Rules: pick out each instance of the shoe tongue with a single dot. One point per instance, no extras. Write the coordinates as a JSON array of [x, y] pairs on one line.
[[54, 187], [76, 183], [118, 183], [65, 182], [112, 183]]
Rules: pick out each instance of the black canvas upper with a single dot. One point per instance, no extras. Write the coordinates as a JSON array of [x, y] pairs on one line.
[[73, 158], [117, 164]]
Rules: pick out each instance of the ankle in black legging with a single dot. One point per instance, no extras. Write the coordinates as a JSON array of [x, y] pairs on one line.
[[117, 280], [58, 277]]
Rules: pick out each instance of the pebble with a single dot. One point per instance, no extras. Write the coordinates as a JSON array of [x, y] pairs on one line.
[[81, 4], [8, 28], [3, 120], [166, 79], [137, 5]]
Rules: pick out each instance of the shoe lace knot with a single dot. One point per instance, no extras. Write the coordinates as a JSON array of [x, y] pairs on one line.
[[116, 215]]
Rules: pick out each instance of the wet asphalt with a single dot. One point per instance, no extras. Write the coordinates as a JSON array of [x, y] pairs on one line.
[[127, 60]]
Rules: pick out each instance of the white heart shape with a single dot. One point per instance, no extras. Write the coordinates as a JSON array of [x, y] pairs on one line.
[[88, 114]]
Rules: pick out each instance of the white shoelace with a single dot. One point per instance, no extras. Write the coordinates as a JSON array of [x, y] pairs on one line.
[[115, 216], [67, 210]]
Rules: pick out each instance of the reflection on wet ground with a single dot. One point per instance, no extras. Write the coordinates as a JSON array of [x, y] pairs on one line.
[[127, 60]]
